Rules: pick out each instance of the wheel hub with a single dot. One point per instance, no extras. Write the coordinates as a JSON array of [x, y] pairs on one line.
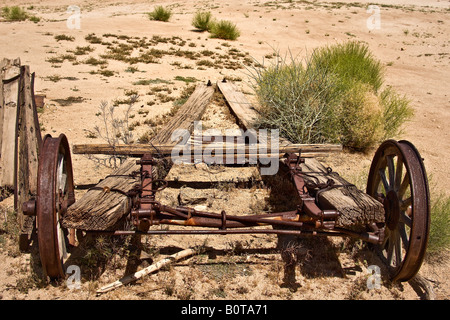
[[392, 209]]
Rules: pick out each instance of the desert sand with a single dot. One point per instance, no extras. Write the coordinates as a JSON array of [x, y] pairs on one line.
[[411, 41]]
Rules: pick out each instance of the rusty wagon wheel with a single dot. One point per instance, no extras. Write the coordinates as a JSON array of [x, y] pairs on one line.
[[398, 179], [55, 193]]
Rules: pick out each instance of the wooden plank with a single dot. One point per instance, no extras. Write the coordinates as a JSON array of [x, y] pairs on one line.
[[191, 111], [150, 269], [141, 149], [27, 146], [242, 109], [99, 209], [11, 78]]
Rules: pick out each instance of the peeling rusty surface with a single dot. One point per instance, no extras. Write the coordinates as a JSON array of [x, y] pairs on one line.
[[55, 194]]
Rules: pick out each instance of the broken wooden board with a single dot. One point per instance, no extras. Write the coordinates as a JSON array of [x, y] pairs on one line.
[[242, 109], [356, 209], [102, 210], [184, 119]]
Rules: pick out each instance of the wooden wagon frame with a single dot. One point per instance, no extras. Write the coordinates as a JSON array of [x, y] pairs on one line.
[[393, 212]]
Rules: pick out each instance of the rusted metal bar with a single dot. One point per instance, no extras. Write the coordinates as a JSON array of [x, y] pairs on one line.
[[308, 203], [328, 233]]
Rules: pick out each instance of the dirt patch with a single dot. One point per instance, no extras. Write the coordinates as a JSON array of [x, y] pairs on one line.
[[412, 42]]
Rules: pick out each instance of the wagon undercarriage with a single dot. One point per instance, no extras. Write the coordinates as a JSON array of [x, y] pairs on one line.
[[396, 182], [392, 213]]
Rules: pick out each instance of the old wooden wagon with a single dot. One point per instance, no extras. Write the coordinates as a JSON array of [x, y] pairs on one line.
[[392, 213]]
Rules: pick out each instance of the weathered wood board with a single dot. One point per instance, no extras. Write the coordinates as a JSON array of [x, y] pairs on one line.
[[8, 157], [141, 149], [20, 139], [184, 119], [357, 209], [28, 143], [239, 104]]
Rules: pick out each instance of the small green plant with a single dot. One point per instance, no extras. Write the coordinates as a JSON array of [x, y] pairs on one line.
[[14, 13], [439, 239], [95, 62], [79, 51], [63, 37], [92, 38], [224, 29], [160, 13], [202, 21]]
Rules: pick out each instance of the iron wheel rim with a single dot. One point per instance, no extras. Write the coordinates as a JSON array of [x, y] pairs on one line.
[[398, 179], [55, 194]]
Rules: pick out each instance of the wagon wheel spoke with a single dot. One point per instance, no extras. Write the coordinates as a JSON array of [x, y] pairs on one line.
[[382, 174], [398, 169], [405, 204], [405, 219], [398, 174], [403, 235], [391, 171], [398, 248], [404, 186]]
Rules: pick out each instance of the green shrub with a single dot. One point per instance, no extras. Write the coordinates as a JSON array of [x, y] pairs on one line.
[[14, 13], [440, 225], [160, 14], [299, 101], [224, 29], [202, 21], [331, 98], [396, 111], [361, 118], [352, 62]]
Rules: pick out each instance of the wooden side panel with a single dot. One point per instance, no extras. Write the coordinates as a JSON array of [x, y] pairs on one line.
[[239, 104], [27, 144], [11, 79]]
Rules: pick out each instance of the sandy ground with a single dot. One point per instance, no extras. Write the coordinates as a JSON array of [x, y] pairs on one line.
[[412, 42]]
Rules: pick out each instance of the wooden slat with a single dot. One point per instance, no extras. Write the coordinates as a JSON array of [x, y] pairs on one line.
[[241, 108], [191, 111], [11, 78], [101, 210], [27, 146], [141, 149]]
